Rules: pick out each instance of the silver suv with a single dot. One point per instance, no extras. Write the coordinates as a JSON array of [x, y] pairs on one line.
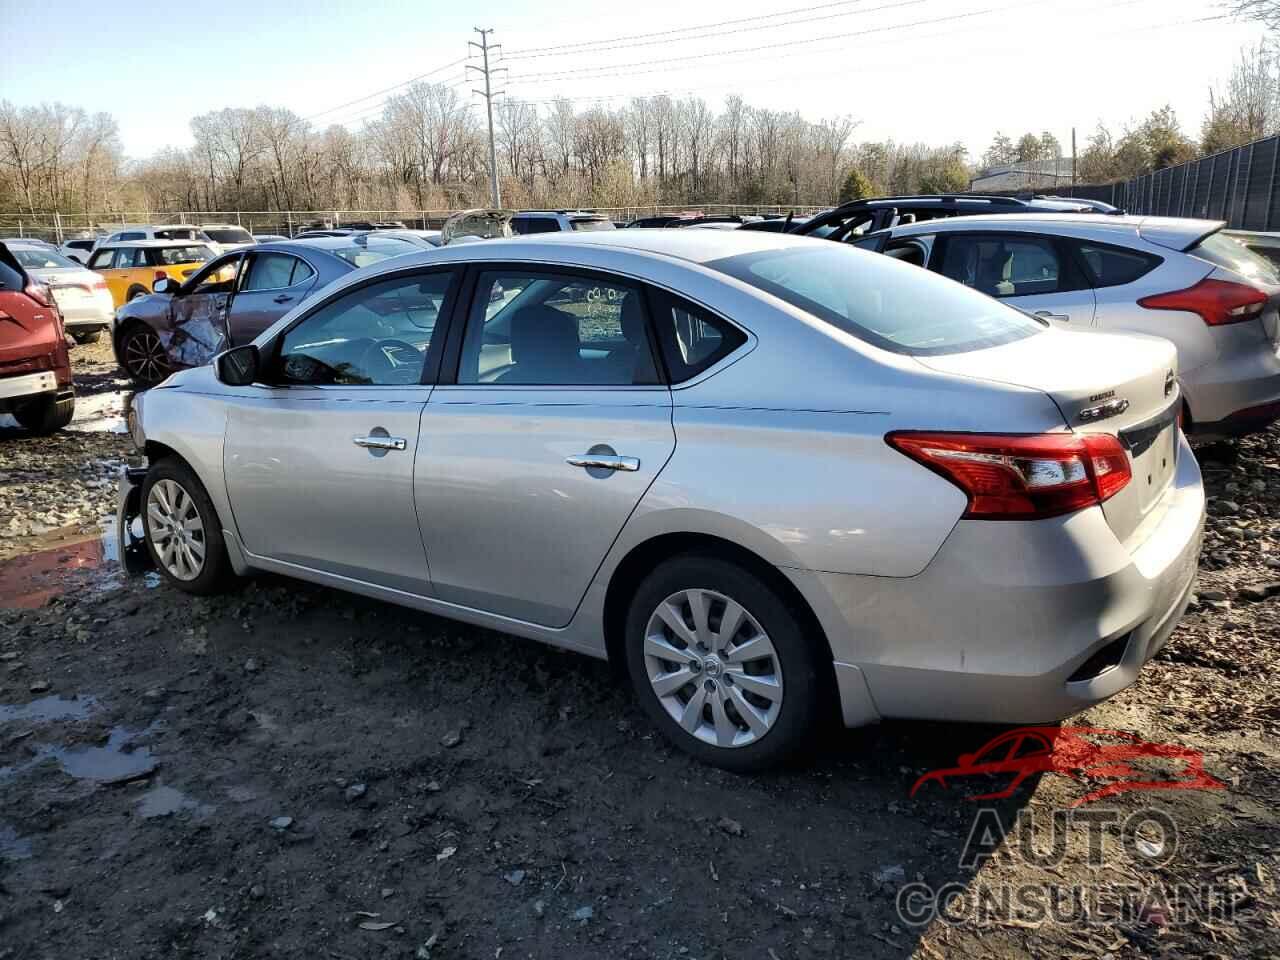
[[558, 221], [1184, 280]]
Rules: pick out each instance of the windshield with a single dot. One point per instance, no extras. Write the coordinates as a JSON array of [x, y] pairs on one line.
[[1230, 252], [892, 305], [592, 224], [197, 253], [371, 249], [228, 235], [34, 259]]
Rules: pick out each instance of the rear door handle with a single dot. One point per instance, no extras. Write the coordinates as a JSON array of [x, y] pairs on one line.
[[380, 443], [1047, 315], [605, 462], [283, 298]]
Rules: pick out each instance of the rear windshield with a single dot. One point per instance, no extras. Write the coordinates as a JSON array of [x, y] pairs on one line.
[[197, 253], [1225, 251], [34, 259], [895, 306], [179, 233], [228, 235], [592, 224], [371, 249]]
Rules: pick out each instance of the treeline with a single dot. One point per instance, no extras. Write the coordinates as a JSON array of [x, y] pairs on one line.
[[428, 151], [1242, 108]]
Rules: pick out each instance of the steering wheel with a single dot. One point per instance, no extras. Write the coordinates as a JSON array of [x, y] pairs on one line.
[[392, 362]]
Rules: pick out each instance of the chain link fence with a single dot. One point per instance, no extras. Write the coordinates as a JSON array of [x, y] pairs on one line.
[[59, 227]]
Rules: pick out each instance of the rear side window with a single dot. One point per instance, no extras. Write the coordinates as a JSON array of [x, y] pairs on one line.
[[891, 305], [101, 260], [130, 235], [1222, 251], [535, 225], [1113, 266], [11, 277], [272, 271], [1003, 265], [691, 339], [591, 224]]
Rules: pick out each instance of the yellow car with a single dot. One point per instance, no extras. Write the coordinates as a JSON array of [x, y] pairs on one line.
[[131, 267]]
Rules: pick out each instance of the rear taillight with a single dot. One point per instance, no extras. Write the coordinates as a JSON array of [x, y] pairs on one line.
[[99, 284], [40, 293], [1218, 302], [1022, 477], [160, 275]]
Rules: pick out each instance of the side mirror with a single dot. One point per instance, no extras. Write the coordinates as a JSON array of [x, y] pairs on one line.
[[165, 285], [237, 367]]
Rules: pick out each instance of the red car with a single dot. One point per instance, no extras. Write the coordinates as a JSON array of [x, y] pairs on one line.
[[1084, 754], [35, 368]]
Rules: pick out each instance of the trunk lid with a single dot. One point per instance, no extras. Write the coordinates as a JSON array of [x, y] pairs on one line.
[[1121, 384]]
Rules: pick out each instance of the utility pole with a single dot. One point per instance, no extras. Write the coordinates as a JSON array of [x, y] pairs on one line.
[[489, 93]]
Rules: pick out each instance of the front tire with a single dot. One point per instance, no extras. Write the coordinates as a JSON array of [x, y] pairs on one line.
[[46, 413], [92, 336], [720, 662], [142, 355], [182, 530]]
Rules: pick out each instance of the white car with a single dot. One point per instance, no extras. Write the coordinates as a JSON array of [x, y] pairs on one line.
[[227, 236], [82, 295], [143, 231]]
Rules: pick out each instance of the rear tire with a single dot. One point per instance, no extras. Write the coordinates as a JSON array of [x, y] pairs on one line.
[[45, 414], [183, 534], [136, 292], [753, 696], [142, 355]]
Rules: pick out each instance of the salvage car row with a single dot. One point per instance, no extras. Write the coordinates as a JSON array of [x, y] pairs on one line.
[[775, 479]]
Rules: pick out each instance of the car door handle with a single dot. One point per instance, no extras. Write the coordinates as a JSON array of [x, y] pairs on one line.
[[283, 298], [1048, 315], [605, 462], [380, 443]]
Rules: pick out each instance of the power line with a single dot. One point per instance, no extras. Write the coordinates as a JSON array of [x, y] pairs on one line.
[[644, 38], [405, 83], [655, 65], [371, 110]]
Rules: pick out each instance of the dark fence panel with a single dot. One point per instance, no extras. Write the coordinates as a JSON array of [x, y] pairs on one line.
[[1237, 185]]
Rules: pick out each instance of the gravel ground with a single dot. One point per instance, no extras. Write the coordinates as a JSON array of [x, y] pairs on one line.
[[286, 771]]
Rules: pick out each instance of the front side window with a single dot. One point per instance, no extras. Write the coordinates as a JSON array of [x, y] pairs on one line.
[[557, 330], [129, 257], [891, 305], [217, 277], [272, 271], [377, 335]]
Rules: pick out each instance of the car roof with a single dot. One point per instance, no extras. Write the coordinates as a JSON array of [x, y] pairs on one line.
[[156, 243], [564, 213], [696, 246], [1178, 232]]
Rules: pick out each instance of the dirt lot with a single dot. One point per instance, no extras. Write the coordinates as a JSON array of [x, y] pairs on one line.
[[289, 772]]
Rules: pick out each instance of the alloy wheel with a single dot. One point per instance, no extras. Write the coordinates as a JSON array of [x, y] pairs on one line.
[[713, 668], [176, 530], [144, 357]]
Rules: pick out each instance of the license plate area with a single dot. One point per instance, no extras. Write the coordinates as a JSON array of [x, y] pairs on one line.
[[1153, 453]]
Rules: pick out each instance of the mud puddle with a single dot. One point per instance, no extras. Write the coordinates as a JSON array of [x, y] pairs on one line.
[[60, 565], [102, 412], [119, 760], [163, 801], [49, 709]]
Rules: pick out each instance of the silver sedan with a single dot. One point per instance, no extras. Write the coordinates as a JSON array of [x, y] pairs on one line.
[[771, 476]]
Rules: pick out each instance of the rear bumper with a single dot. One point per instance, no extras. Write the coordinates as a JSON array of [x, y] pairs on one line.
[[1235, 394], [1014, 622], [13, 388]]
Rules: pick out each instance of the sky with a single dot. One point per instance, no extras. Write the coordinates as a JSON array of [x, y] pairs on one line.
[[937, 71]]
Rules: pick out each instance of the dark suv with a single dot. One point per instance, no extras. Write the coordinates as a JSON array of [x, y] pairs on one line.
[[35, 369], [859, 217]]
